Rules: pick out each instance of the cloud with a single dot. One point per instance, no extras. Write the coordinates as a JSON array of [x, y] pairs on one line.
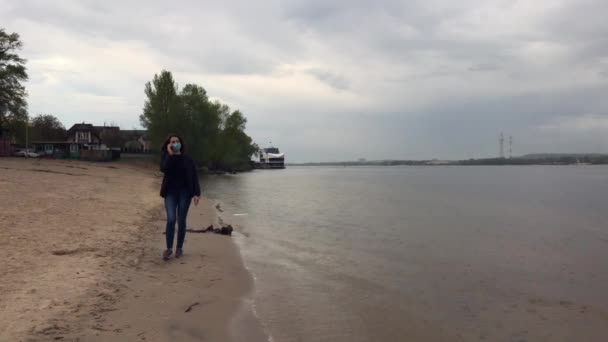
[[335, 81], [579, 124], [410, 78], [483, 67]]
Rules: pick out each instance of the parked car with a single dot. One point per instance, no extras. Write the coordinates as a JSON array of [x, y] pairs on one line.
[[25, 153]]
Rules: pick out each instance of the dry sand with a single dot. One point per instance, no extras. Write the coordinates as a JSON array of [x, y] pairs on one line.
[[80, 245]]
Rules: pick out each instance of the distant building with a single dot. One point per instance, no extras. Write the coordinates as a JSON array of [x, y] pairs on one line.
[[80, 137], [84, 134], [136, 141]]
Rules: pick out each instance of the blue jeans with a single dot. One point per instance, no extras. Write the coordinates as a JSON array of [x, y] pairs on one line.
[[176, 203]]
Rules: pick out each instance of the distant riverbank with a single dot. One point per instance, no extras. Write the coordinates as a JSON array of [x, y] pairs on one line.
[[531, 159]]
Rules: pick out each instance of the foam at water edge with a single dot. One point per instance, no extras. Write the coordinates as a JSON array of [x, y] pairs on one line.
[[247, 315], [248, 300]]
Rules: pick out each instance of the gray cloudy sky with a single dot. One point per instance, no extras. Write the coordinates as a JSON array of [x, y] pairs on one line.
[[336, 80]]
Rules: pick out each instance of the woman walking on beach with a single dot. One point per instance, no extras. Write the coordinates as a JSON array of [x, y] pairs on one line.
[[180, 186]]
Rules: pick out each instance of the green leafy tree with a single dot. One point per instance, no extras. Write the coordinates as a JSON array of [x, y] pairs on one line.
[[203, 122], [13, 104], [162, 108], [215, 136], [220, 141], [235, 147]]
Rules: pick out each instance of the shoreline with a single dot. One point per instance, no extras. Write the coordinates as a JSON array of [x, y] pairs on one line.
[[201, 296], [92, 269]]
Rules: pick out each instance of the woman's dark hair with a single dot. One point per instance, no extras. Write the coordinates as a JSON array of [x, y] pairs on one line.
[[163, 149]]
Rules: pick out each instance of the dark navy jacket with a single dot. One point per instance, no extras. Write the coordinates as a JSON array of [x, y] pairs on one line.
[[168, 163]]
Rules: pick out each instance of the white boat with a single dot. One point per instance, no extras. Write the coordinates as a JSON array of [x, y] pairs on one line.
[[270, 158]]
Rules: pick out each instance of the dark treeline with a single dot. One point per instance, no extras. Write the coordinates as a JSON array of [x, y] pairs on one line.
[[46, 127], [214, 135], [545, 160], [365, 163]]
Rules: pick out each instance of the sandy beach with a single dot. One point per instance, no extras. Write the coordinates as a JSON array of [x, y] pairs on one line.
[[81, 244]]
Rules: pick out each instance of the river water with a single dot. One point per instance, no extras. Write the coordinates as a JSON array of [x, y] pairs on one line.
[[446, 253]]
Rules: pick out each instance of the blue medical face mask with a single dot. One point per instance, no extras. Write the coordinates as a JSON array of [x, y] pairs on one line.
[[176, 147]]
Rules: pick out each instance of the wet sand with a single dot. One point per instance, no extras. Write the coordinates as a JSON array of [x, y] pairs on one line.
[[81, 244]]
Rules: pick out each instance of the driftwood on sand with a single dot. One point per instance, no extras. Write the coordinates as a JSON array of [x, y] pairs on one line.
[[223, 230], [191, 306]]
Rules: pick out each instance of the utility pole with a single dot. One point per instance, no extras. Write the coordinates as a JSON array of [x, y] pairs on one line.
[[510, 147], [502, 145], [27, 124]]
